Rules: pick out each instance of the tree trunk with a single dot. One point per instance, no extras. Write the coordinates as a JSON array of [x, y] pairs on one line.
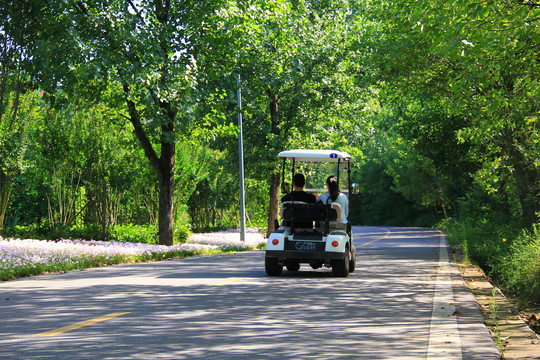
[[163, 166], [526, 200], [166, 200], [166, 185], [6, 184], [166, 188], [273, 207], [524, 185]]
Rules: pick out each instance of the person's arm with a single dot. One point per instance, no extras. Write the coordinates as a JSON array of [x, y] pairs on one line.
[[344, 202], [346, 211]]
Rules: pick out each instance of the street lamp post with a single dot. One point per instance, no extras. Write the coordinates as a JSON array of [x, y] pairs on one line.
[[241, 161]]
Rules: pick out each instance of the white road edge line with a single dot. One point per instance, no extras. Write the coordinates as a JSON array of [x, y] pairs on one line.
[[444, 340]]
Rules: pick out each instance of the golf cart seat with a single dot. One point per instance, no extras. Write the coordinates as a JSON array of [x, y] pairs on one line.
[[286, 203], [299, 215], [334, 225], [337, 207]]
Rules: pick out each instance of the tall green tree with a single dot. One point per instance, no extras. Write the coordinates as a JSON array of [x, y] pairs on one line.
[[18, 109], [293, 60], [476, 62], [141, 49]]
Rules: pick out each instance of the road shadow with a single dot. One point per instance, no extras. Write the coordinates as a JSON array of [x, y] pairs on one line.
[[381, 311]]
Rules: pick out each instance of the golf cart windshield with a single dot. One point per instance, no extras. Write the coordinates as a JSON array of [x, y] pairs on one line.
[[317, 165]]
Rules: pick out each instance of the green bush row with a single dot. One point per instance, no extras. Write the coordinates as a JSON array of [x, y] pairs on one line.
[[508, 254], [147, 234]]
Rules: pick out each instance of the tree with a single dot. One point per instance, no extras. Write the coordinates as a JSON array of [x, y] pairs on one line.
[[293, 60], [499, 87], [142, 50], [18, 107], [479, 61]]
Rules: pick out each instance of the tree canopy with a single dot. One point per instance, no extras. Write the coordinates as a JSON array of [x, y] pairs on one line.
[[437, 102]]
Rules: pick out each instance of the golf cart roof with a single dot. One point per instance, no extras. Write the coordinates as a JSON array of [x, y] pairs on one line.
[[316, 155]]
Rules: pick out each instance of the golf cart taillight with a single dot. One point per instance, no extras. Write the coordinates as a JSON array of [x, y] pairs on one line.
[[275, 241], [335, 243]]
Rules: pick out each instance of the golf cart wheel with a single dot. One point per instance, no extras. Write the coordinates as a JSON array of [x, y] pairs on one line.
[[293, 266], [352, 262], [272, 266], [340, 267]]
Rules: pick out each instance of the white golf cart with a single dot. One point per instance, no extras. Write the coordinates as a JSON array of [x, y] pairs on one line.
[[313, 233]]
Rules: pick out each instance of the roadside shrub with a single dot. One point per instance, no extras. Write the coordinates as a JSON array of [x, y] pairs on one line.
[[145, 234], [520, 271], [44, 232], [484, 241], [506, 253], [181, 233], [21, 232]]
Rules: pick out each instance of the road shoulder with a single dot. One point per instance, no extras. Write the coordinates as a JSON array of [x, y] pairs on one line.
[[514, 338]]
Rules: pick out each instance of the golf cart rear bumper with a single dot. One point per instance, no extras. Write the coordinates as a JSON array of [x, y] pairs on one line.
[[292, 254]]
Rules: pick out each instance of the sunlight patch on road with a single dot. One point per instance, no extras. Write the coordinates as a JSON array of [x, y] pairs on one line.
[[82, 324], [228, 281]]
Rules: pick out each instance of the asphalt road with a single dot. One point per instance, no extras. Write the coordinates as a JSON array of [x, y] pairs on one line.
[[402, 302]]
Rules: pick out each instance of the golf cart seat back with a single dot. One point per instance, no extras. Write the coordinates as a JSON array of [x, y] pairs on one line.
[[337, 207], [302, 215], [285, 204], [315, 212]]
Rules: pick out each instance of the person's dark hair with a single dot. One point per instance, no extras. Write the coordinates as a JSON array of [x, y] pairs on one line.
[[333, 187], [299, 180]]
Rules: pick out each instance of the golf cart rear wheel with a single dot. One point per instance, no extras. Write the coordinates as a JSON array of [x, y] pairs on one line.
[[272, 266], [340, 267], [352, 262]]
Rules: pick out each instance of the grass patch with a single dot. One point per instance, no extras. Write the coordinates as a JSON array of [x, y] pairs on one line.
[[509, 255]]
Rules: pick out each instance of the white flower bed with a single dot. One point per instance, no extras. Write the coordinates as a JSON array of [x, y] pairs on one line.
[[28, 253], [229, 238]]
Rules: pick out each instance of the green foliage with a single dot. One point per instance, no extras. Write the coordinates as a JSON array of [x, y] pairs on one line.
[[509, 255], [78, 170], [210, 204], [181, 232], [294, 61], [470, 61], [18, 112], [146, 234], [520, 272], [134, 233], [214, 202], [487, 244], [43, 232]]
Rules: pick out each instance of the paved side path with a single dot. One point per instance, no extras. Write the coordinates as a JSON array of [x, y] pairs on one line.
[[519, 342], [225, 307], [459, 323]]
